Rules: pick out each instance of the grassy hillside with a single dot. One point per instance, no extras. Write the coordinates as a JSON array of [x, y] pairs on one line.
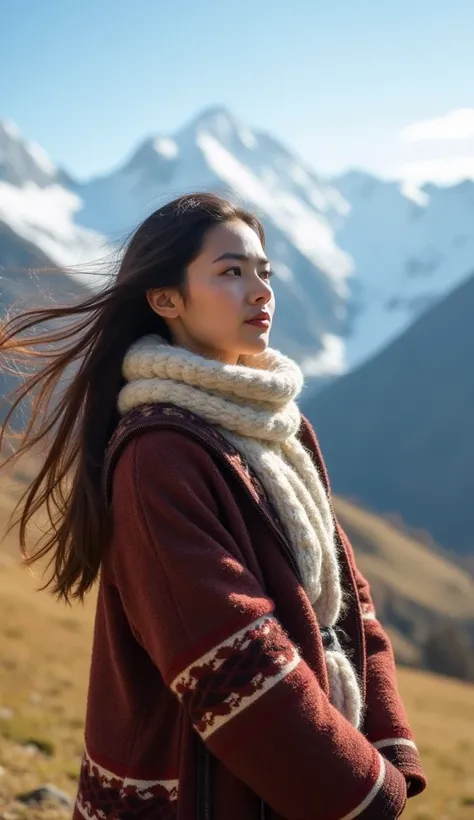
[[414, 587], [44, 664]]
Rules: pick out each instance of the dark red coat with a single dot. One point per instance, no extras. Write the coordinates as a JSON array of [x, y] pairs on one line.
[[208, 693]]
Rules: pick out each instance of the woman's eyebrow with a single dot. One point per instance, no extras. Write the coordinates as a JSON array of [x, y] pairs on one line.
[[242, 258]]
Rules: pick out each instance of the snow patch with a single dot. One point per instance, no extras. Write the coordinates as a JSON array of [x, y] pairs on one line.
[[299, 175], [247, 138], [44, 217], [10, 129], [41, 158], [411, 190], [329, 361], [166, 147], [282, 271]]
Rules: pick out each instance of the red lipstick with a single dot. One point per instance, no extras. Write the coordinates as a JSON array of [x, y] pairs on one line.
[[261, 319]]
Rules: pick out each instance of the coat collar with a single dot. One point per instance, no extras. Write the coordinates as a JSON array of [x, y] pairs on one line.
[[163, 414]]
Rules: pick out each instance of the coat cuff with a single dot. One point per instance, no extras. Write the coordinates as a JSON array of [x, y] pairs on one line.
[[386, 800], [403, 754]]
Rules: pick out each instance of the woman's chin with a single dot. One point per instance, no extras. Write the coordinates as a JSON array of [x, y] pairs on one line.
[[255, 336], [257, 345]]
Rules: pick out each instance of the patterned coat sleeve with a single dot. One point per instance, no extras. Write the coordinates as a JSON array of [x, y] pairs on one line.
[[386, 723], [211, 630]]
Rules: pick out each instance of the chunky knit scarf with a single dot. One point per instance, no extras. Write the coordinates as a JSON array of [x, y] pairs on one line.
[[252, 404]]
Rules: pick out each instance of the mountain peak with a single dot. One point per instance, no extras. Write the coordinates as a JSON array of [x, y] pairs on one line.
[[155, 149], [23, 161], [9, 130], [214, 115], [221, 124]]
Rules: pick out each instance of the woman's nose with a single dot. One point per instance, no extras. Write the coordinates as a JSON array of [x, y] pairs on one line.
[[261, 290]]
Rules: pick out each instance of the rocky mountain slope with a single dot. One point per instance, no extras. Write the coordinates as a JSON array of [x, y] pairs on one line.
[[398, 432]]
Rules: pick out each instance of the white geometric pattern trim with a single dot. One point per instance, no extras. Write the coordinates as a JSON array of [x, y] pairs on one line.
[[262, 682], [142, 787]]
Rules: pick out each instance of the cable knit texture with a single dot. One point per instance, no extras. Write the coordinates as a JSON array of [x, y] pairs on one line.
[[252, 404]]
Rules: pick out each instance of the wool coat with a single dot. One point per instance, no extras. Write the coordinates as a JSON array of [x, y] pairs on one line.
[[208, 695]]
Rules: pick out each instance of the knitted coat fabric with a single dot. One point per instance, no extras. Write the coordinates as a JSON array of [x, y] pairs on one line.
[[208, 691], [252, 404]]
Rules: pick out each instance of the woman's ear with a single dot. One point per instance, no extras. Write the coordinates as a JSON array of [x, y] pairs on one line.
[[163, 302]]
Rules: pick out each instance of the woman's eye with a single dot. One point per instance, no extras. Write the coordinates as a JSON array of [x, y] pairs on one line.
[[265, 273]]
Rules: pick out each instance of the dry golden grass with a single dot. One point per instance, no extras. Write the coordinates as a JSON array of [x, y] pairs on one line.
[[44, 666], [44, 658], [410, 568], [425, 585]]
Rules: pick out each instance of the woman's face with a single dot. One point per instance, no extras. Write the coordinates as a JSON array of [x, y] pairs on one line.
[[228, 284]]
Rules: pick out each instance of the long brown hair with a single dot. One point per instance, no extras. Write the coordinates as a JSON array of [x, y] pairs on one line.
[[82, 420]]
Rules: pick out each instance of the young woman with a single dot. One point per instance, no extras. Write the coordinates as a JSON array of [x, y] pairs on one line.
[[238, 668]]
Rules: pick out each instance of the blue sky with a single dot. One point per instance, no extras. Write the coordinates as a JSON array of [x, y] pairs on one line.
[[336, 81]]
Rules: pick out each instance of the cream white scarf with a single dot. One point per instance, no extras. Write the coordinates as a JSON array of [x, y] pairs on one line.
[[252, 404]]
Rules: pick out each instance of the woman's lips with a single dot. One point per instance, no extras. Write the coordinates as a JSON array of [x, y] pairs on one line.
[[264, 321], [259, 322]]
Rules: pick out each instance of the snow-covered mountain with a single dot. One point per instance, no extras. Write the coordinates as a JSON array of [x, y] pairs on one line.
[[38, 204], [409, 250], [216, 152], [22, 160], [356, 258]]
